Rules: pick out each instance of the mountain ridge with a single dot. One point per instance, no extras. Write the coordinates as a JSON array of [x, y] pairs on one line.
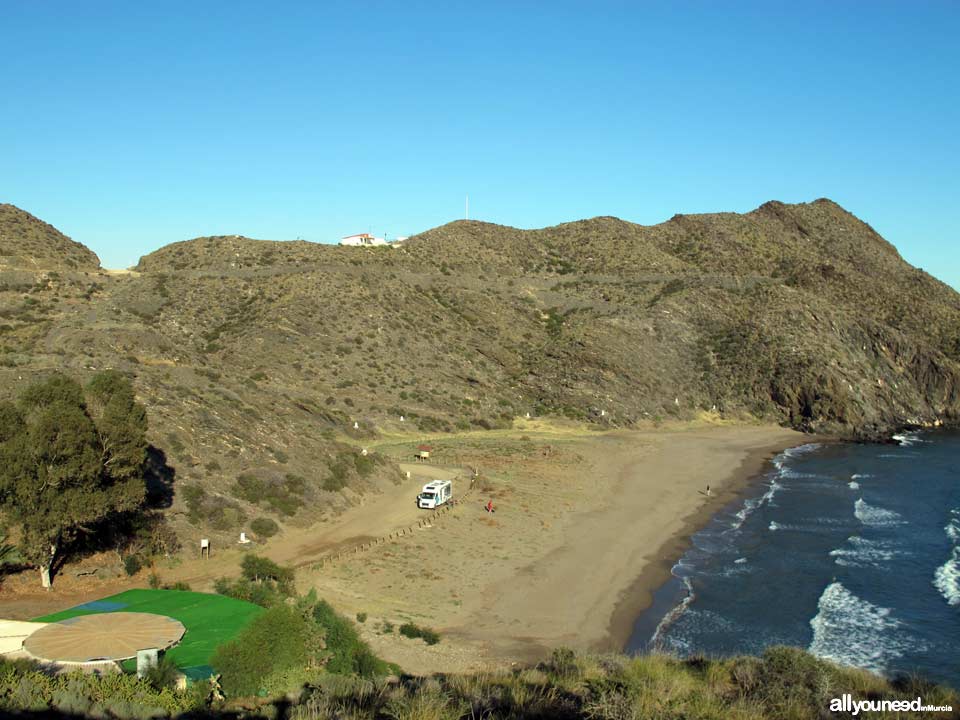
[[249, 352]]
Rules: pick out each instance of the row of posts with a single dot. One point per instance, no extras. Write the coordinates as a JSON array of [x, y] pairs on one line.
[[425, 522]]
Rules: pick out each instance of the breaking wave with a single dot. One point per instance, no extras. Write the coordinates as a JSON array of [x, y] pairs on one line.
[[947, 578], [751, 504], [875, 516], [953, 527], [671, 617], [860, 552], [852, 631]]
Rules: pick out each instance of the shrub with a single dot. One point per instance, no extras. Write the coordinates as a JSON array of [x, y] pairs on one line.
[[563, 662], [163, 674], [270, 654], [263, 582], [285, 497], [361, 617], [260, 569], [348, 654], [430, 637], [218, 512], [264, 527], [132, 564]]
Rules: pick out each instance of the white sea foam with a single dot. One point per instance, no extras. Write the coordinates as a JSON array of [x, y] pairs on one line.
[[860, 476], [671, 617], [774, 525], [853, 485], [751, 504], [947, 578], [860, 552], [908, 439], [953, 526], [740, 560], [853, 631], [873, 515]]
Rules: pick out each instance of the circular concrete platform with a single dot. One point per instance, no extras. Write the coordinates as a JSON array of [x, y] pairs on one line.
[[107, 636]]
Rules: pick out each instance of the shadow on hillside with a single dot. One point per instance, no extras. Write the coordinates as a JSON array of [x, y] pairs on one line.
[[159, 477]]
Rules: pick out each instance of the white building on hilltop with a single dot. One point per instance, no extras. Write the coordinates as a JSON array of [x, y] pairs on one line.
[[362, 239]]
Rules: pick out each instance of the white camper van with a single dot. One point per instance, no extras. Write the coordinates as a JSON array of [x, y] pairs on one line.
[[435, 494]]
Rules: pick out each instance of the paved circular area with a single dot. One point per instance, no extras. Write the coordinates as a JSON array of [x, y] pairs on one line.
[[105, 636]]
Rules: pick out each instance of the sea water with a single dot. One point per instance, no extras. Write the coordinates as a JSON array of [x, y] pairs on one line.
[[851, 551]]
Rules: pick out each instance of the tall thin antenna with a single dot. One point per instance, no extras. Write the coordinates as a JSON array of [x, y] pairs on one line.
[[466, 212]]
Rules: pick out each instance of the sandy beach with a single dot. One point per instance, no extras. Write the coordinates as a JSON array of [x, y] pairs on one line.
[[586, 527]]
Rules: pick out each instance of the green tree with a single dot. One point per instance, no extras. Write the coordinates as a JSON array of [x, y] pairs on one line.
[[69, 461]]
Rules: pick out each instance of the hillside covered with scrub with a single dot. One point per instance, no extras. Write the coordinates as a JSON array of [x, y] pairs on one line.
[[782, 684], [254, 359]]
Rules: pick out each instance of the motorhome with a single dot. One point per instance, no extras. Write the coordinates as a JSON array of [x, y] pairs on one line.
[[435, 494]]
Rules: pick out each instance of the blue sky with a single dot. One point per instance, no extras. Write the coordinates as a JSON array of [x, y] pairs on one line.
[[132, 125]]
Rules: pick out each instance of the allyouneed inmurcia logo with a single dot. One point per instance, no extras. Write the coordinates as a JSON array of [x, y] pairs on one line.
[[846, 703]]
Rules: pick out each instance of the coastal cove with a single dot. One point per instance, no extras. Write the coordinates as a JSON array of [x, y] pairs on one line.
[[579, 542], [851, 551]]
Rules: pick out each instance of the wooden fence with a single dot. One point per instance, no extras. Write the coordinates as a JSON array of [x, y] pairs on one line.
[[425, 522]]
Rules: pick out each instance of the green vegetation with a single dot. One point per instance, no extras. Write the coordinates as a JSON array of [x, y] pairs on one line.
[[285, 497], [262, 582], [70, 458], [25, 687], [348, 654], [289, 644], [782, 684], [348, 463], [410, 630], [280, 650], [264, 527], [217, 512]]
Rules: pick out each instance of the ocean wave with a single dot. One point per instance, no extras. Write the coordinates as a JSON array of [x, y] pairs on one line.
[[780, 461], [907, 439], [863, 553], [671, 617], [751, 504], [947, 578], [740, 561], [875, 516], [853, 631], [682, 634], [853, 485], [860, 476], [953, 526]]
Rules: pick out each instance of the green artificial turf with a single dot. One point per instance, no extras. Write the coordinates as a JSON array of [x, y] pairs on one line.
[[210, 620]]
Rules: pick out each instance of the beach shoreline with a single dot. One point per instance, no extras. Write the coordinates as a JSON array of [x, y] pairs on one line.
[[638, 596], [585, 586]]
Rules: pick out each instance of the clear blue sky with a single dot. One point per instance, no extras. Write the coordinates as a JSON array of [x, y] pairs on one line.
[[130, 125]]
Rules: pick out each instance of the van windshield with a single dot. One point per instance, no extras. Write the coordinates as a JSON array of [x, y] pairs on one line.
[[428, 496]]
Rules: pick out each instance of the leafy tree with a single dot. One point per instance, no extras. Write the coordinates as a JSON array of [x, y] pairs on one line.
[[69, 461]]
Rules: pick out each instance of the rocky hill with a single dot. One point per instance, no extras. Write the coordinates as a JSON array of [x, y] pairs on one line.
[[26, 242], [255, 357]]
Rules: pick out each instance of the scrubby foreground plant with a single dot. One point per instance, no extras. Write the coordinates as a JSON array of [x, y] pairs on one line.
[[782, 684]]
